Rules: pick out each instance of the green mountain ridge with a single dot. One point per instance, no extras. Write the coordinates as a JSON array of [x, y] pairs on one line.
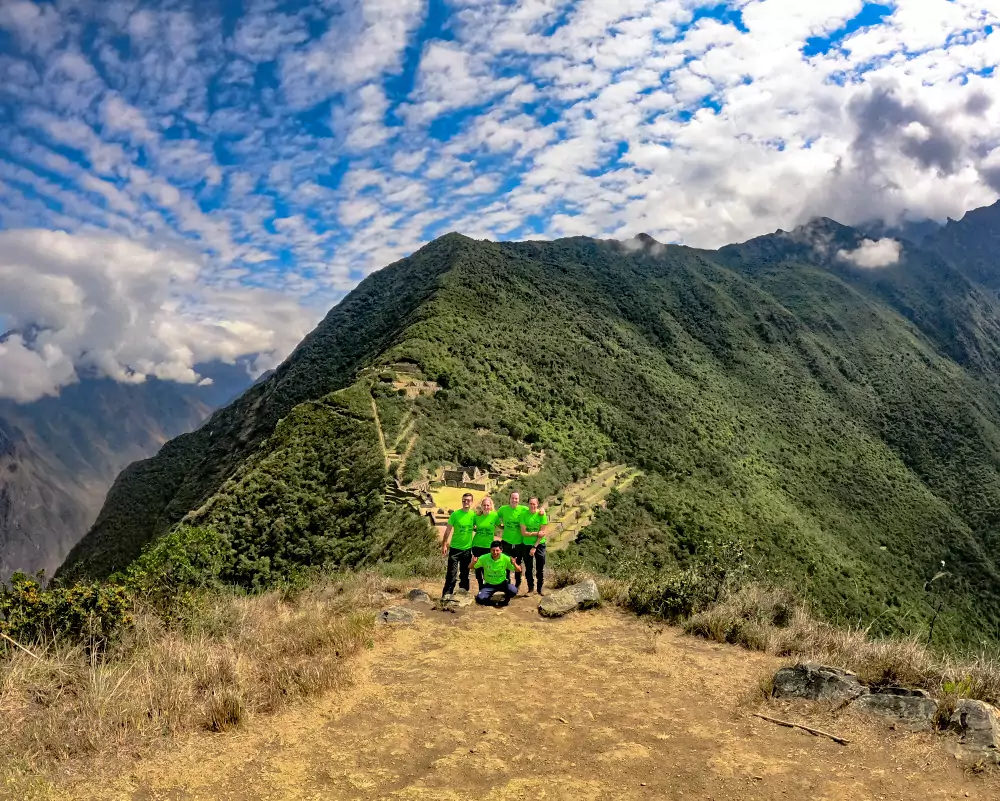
[[844, 422]]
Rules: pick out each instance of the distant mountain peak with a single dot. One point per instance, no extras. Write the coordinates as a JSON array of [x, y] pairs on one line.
[[643, 242]]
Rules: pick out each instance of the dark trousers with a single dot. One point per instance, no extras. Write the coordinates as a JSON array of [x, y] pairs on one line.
[[487, 592], [458, 570], [534, 566], [476, 553], [514, 552]]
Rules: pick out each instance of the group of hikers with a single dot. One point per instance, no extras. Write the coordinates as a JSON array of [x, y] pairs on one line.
[[508, 540]]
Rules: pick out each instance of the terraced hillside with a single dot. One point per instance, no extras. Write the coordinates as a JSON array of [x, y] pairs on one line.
[[843, 422]]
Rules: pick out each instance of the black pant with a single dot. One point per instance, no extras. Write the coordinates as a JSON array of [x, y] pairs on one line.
[[458, 570], [477, 551], [534, 566], [514, 552]]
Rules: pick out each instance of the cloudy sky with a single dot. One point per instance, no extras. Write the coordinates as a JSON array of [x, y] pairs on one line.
[[188, 181]]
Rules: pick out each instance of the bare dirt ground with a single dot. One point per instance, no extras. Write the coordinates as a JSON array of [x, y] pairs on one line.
[[502, 705]]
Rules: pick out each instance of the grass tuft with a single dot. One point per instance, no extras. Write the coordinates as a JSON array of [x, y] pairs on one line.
[[227, 658], [771, 620]]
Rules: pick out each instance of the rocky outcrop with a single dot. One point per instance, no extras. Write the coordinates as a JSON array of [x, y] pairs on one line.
[[978, 724], [817, 683], [577, 596], [911, 708]]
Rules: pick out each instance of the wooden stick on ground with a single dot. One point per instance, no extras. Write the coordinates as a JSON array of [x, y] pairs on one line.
[[815, 732], [16, 644]]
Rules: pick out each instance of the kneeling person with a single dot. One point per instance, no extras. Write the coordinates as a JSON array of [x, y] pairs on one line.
[[496, 567]]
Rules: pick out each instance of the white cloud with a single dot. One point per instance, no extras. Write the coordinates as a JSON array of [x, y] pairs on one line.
[[205, 141], [872, 254], [126, 311]]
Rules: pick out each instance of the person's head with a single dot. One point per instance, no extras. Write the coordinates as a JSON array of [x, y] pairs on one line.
[[496, 549], [533, 505], [467, 501], [487, 505], [515, 498]]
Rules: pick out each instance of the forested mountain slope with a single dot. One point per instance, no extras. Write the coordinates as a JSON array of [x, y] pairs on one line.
[[844, 422], [59, 455]]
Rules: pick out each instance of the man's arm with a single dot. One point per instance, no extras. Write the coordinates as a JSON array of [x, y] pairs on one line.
[[541, 533], [517, 565], [446, 542]]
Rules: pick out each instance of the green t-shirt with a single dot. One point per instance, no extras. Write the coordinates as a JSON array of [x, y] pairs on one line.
[[485, 526], [534, 522], [512, 523], [495, 570], [462, 522]]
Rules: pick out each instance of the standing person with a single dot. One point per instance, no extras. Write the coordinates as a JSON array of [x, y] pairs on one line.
[[533, 546], [510, 515], [496, 567], [457, 546], [487, 523]]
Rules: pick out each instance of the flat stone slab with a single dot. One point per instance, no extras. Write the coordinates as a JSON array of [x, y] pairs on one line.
[[817, 683], [978, 723], [912, 708], [397, 614], [576, 596]]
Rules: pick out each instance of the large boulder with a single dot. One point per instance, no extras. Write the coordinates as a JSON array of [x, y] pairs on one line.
[[817, 683], [978, 723], [911, 708], [576, 596]]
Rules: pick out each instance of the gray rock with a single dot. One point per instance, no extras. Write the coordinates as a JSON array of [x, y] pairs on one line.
[[397, 614], [576, 596], [912, 708], [978, 723], [817, 683], [418, 597], [460, 599]]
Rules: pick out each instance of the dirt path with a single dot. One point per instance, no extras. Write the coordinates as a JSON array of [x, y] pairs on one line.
[[502, 705], [381, 436]]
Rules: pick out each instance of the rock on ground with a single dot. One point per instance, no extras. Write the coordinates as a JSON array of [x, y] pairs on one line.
[[913, 708], [817, 683], [459, 599], [397, 614], [979, 725], [418, 597], [576, 596]]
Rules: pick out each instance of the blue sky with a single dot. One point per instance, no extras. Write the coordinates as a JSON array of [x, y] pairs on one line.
[[183, 181]]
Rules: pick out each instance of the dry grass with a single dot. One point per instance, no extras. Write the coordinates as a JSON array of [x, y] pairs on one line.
[[771, 620], [233, 657]]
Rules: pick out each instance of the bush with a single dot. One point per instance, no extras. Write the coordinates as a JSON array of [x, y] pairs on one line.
[[87, 613], [188, 559]]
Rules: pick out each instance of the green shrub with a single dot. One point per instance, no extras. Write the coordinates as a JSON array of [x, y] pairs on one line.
[[88, 613], [187, 559]]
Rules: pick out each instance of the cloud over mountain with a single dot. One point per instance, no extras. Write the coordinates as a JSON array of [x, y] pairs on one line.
[[120, 309], [295, 147]]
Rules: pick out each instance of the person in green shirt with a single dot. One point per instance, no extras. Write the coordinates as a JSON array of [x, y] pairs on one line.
[[496, 567], [457, 546], [533, 525], [487, 523], [510, 516]]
